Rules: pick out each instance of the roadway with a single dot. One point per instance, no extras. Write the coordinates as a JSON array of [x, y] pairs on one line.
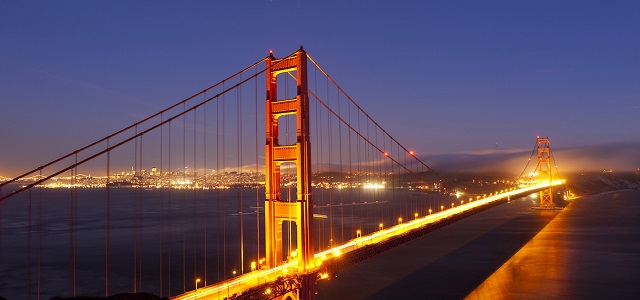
[[258, 278]]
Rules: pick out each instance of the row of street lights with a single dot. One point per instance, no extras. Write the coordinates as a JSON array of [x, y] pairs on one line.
[[415, 215], [261, 261]]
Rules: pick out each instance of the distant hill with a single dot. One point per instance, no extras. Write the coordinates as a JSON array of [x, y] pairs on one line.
[[620, 156], [590, 183]]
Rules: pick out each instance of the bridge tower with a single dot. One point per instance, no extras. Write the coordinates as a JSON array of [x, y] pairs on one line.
[[277, 211], [544, 172]]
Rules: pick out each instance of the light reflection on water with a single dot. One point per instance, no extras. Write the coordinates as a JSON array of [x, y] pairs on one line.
[[590, 251], [186, 213]]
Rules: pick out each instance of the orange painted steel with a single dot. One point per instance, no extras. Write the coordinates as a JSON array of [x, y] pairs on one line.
[[278, 211], [544, 172]]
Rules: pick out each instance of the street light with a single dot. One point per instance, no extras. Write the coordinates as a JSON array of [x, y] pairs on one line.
[[358, 233], [399, 220], [415, 215], [441, 207], [253, 266], [196, 292], [234, 273], [430, 210], [381, 226]]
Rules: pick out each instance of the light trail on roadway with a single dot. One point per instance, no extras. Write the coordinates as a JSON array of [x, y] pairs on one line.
[[237, 285]]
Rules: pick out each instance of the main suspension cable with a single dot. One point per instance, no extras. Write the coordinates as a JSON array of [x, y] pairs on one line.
[[29, 186], [367, 115]]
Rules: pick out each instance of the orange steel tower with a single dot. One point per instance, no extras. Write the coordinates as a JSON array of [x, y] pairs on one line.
[[276, 210], [544, 172]]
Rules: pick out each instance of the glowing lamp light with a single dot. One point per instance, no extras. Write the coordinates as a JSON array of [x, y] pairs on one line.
[[411, 152], [386, 154]]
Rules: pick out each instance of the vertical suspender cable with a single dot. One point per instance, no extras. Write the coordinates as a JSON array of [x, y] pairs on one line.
[[239, 142], [39, 233], [169, 210], [28, 283], [140, 218], [321, 240], [195, 201], [317, 143], [329, 144], [359, 156], [218, 209], [135, 218], [206, 186], [160, 185], [257, 187], [70, 237], [350, 171], [340, 154], [396, 174], [184, 199], [106, 236], [288, 170], [73, 221], [224, 213]]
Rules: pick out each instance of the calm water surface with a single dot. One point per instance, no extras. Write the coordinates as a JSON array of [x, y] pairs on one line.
[[178, 223]]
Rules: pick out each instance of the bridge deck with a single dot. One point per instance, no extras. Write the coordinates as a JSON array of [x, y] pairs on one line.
[[260, 279]]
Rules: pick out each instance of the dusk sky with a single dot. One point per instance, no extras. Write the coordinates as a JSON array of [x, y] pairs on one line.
[[440, 76]]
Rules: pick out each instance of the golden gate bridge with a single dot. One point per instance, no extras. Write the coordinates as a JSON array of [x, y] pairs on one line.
[[191, 219]]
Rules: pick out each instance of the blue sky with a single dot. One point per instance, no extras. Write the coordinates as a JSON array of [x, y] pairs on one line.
[[440, 76]]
